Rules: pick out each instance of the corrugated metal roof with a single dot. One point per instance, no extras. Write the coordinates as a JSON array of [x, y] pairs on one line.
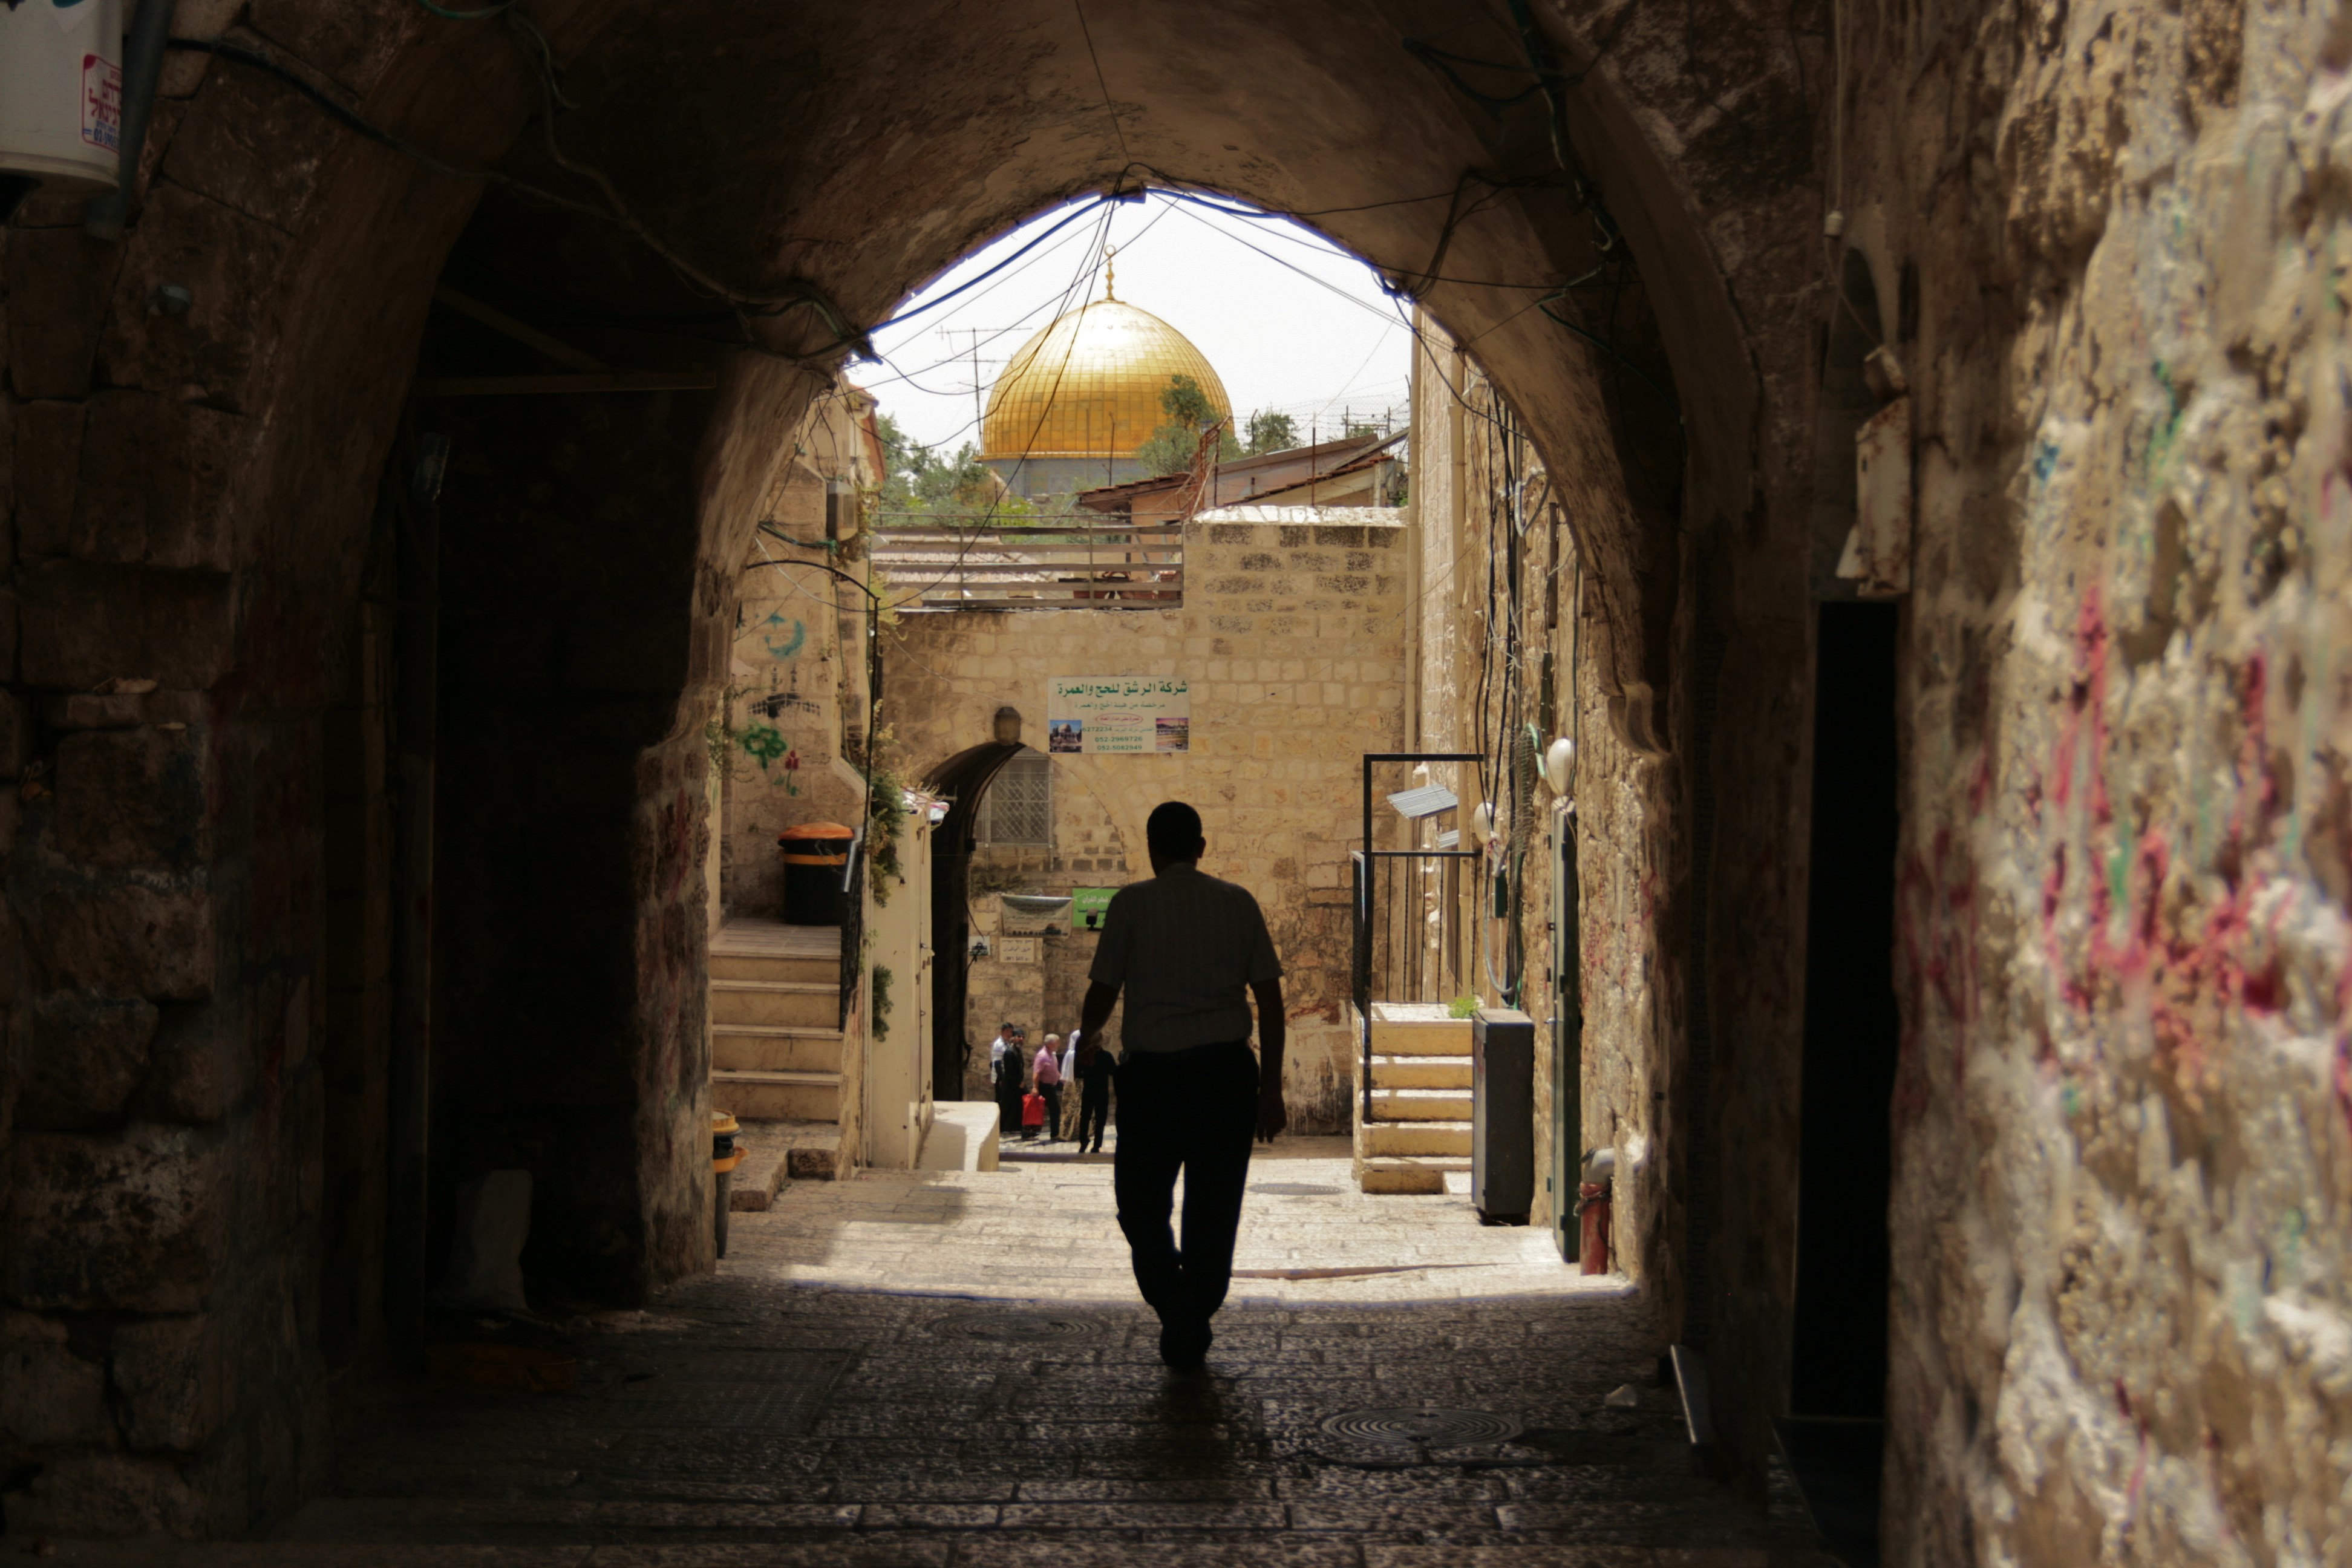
[[1427, 801], [1450, 839]]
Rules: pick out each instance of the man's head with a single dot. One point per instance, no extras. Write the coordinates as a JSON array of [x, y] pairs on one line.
[[1008, 1029], [1054, 1040], [1172, 834]]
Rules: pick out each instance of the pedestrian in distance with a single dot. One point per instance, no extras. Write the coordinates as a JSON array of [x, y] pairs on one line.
[[1191, 952], [1046, 1073], [1010, 1078], [1093, 1070], [1008, 1108]]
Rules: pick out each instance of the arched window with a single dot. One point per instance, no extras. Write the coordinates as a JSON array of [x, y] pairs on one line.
[[1019, 806]]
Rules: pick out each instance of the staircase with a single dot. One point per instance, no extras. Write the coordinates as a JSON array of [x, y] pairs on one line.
[[1419, 1128], [775, 1021]]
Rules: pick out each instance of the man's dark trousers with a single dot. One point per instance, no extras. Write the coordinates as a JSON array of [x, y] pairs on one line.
[[1094, 1114], [1195, 1111], [1053, 1093]]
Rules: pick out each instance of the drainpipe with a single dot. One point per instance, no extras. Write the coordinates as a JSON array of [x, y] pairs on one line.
[[102, 217], [416, 649]]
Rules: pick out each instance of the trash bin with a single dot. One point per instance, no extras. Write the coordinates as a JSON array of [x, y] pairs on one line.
[[815, 855], [725, 1155], [1502, 1115]]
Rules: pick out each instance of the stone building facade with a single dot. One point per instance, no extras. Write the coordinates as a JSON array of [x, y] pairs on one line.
[[795, 716], [1291, 641]]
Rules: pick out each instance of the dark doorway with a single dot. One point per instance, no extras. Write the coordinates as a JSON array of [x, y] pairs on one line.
[[1838, 1364]]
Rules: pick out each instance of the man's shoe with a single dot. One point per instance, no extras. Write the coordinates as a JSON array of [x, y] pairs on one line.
[[1185, 1343]]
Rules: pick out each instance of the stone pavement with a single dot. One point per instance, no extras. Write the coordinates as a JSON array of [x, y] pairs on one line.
[[1048, 1229], [897, 1370]]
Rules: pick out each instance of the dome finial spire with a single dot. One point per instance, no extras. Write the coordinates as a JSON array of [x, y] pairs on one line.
[[1110, 273]]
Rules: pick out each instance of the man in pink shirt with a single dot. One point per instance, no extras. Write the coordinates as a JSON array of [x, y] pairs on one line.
[[1048, 1070]]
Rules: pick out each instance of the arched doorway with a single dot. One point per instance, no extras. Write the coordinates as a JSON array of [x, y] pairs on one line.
[[590, 517]]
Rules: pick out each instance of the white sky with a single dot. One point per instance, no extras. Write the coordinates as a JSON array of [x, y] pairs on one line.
[[1296, 325]]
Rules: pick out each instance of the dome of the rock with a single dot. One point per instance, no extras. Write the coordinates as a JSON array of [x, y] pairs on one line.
[[1089, 387]]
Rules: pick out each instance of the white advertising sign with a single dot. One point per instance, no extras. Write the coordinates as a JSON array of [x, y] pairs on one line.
[[1132, 714]]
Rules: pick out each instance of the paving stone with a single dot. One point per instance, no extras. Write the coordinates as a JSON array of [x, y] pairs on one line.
[[880, 1435]]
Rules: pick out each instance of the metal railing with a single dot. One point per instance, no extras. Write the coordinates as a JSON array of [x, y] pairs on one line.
[[853, 927], [1037, 568], [1363, 865]]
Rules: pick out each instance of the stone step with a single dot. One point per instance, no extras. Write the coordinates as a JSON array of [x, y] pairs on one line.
[[1375, 1138], [1421, 1072], [774, 1048], [1401, 1029], [810, 1004], [1446, 1105], [752, 1095], [743, 965], [1406, 1174]]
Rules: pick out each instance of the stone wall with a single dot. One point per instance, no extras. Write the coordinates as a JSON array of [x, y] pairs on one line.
[[1292, 641], [796, 689], [1470, 631], [2120, 1219]]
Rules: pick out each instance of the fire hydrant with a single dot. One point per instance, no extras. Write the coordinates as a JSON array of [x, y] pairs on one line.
[[1593, 1200]]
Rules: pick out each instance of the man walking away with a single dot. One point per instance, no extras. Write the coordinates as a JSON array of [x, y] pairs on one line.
[[1190, 951], [1093, 1069], [1048, 1071]]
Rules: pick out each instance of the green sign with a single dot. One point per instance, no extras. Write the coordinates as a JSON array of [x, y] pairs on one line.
[[1087, 907]]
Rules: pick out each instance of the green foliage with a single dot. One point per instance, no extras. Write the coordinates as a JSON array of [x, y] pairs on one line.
[[885, 816], [918, 480], [1172, 446], [1270, 432], [1184, 403], [1461, 1006], [882, 978], [720, 735]]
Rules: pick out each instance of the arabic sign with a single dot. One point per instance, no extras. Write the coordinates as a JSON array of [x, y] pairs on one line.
[[1132, 713], [1087, 907], [1034, 912]]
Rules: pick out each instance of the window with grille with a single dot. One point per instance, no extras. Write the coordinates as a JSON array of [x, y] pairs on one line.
[[1019, 806]]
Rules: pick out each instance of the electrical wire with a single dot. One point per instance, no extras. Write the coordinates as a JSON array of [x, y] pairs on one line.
[[1088, 34]]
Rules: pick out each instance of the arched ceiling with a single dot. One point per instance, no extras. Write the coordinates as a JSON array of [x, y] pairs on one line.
[[860, 150]]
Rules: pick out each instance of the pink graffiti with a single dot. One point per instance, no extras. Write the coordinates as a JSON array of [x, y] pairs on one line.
[[2193, 975]]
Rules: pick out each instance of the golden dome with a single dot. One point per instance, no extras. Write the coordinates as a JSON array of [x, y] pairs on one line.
[[1089, 385]]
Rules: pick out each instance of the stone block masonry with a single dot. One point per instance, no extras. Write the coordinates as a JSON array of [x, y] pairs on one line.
[[1292, 641]]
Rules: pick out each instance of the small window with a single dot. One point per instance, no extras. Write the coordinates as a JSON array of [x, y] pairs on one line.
[[1019, 806]]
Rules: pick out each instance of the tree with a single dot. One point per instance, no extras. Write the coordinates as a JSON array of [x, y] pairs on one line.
[[918, 483], [1271, 432], [1188, 411]]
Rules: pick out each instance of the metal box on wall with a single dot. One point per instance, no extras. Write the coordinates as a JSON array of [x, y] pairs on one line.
[[1502, 1115]]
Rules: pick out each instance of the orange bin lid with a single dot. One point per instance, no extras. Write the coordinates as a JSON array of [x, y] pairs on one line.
[[814, 830]]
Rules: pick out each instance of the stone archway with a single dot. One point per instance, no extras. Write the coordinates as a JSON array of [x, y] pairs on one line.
[[841, 157]]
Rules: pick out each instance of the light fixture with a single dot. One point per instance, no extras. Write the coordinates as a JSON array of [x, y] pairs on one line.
[[1481, 821], [1558, 763]]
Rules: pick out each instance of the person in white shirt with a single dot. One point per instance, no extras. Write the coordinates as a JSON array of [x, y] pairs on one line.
[[1006, 1085], [1191, 952]]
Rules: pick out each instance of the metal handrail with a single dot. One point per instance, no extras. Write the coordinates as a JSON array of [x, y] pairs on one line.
[[1361, 864]]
